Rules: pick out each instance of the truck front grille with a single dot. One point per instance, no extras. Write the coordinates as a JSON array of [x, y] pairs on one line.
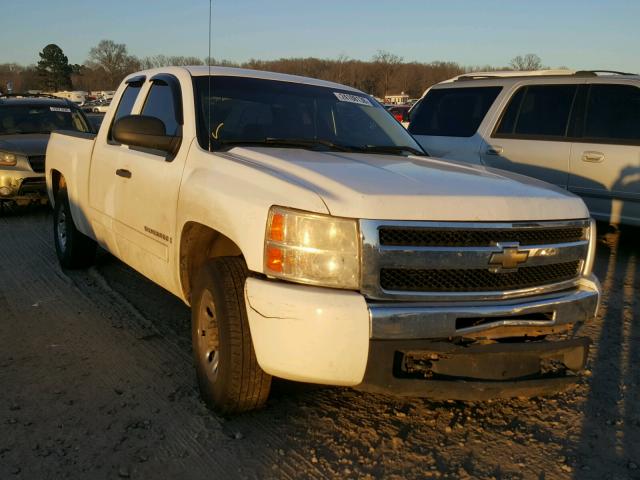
[[37, 163], [440, 261], [461, 280], [428, 237]]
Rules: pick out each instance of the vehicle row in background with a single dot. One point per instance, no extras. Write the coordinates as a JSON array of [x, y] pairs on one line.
[[578, 130], [26, 121]]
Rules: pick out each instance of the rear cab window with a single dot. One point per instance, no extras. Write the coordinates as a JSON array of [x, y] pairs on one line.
[[452, 112]]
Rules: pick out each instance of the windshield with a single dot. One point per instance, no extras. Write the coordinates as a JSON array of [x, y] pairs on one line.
[[19, 119], [274, 113]]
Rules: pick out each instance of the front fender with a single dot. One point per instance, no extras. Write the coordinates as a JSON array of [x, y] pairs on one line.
[[233, 197]]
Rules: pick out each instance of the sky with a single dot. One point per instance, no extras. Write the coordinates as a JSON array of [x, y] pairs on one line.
[[585, 34]]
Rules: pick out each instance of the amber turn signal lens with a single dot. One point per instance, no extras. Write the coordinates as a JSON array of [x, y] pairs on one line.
[[276, 232], [274, 259]]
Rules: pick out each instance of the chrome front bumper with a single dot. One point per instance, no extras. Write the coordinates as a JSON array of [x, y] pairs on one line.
[[398, 321]]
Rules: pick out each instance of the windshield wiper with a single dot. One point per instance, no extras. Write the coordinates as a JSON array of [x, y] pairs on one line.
[[309, 143], [392, 149]]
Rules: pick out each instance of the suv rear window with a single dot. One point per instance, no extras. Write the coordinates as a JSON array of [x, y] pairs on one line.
[[538, 110], [452, 112]]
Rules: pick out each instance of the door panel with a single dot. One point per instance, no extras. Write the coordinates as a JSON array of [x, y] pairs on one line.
[[542, 159], [145, 216], [605, 164], [608, 178], [106, 159]]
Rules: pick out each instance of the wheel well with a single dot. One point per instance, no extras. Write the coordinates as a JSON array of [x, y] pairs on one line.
[[199, 243], [57, 182]]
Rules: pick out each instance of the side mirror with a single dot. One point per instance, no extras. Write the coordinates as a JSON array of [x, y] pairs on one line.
[[146, 132]]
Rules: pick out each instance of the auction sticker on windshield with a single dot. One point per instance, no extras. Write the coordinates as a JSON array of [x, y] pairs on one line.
[[346, 97], [60, 109]]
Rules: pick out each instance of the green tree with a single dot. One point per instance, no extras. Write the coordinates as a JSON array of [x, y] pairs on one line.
[[53, 69]]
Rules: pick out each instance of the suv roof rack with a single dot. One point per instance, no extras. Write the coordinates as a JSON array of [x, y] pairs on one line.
[[610, 72], [533, 73]]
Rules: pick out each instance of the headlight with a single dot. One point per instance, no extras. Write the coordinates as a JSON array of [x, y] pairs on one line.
[[311, 248], [591, 254], [8, 159]]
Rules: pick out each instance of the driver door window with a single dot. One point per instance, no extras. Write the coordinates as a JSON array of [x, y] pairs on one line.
[[160, 104]]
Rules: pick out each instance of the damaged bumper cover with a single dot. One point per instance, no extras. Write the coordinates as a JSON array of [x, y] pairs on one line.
[[520, 347], [441, 370]]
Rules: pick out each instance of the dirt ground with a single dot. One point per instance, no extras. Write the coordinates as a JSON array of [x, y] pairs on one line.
[[97, 382]]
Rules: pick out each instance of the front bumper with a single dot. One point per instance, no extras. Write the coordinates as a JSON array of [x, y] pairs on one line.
[[326, 336], [22, 186]]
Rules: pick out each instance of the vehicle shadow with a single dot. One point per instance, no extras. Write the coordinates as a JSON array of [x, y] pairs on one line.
[[10, 209], [610, 434]]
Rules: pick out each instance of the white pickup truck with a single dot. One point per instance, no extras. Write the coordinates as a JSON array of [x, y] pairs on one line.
[[316, 241]]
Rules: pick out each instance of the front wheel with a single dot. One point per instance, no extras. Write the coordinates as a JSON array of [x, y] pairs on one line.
[[74, 249], [229, 377]]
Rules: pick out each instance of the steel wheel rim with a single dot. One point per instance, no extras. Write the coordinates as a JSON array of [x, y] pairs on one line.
[[62, 229], [208, 339]]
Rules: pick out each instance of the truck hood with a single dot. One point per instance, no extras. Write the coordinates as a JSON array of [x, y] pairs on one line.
[[392, 187], [29, 144]]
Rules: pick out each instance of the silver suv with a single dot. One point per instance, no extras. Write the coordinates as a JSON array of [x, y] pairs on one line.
[[578, 130]]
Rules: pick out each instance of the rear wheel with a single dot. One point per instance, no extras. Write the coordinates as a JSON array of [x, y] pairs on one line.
[[229, 377], [74, 249]]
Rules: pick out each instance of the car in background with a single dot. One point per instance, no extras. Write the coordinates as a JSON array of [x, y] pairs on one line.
[[26, 122], [102, 106], [400, 113], [579, 130]]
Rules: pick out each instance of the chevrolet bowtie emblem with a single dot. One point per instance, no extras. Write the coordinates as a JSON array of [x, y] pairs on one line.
[[509, 259]]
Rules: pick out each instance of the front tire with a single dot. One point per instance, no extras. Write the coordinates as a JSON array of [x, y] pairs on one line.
[[229, 377], [74, 249]]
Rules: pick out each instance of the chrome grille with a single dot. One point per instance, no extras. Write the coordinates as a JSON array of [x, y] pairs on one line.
[[418, 261]]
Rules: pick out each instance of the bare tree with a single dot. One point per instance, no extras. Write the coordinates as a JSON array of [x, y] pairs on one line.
[[114, 60], [157, 61], [388, 64], [530, 61]]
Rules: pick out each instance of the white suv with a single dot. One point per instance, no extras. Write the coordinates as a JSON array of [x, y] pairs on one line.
[[579, 130]]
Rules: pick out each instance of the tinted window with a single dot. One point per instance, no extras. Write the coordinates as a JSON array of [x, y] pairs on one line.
[[613, 113], [25, 118], [452, 112], [540, 110], [508, 122], [238, 109], [126, 102], [160, 104]]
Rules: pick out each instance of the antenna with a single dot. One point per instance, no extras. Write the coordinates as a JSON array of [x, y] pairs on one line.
[[209, 77]]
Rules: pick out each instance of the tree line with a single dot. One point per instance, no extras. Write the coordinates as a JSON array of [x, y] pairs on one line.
[[108, 62]]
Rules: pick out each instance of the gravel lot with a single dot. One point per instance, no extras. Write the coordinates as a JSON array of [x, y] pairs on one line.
[[97, 381]]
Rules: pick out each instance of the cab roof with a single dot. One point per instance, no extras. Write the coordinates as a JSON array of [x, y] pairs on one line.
[[202, 71]]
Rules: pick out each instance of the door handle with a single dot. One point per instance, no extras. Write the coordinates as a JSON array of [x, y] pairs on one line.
[[593, 157], [495, 150], [121, 172]]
